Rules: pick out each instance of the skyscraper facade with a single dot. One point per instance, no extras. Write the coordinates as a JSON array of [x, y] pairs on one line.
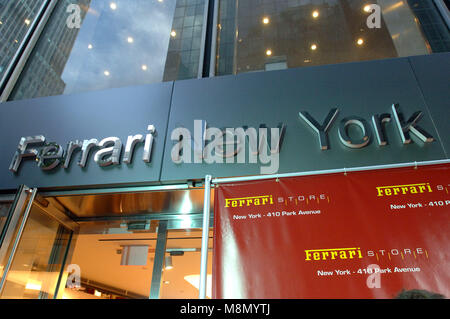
[[44, 75], [15, 20], [260, 35]]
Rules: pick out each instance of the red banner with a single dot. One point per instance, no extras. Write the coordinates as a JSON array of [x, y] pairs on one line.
[[364, 235]]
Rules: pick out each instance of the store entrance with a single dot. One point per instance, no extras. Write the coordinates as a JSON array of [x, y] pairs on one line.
[[123, 244]]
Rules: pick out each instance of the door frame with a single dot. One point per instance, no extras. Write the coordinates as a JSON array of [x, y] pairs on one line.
[[166, 222], [15, 214]]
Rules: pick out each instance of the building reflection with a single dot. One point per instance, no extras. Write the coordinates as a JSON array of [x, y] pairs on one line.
[[15, 20], [43, 77], [306, 33], [119, 43], [128, 43]]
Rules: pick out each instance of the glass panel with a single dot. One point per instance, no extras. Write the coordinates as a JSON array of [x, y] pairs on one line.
[[38, 260], [16, 16], [181, 275], [119, 43], [255, 35], [4, 211], [115, 260], [9, 233]]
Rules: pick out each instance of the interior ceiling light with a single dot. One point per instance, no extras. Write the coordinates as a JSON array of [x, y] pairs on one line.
[[315, 14], [33, 285]]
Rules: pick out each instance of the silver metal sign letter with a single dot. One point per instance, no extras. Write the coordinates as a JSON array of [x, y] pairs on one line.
[[71, 147], [147, 156], [85, 149], [321, 130], [410, 126], [50, 156], [346, 139], [378, 120], [109, 155], [22, 151], [129, 147]]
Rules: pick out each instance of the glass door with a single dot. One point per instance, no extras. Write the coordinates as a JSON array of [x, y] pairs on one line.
[[34, 248]]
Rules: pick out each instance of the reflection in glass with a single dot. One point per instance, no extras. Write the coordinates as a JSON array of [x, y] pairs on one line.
[[120, 43], [4, 211], [38, 260], [115, 259], [183, 251], [277, 34], [16, 17]]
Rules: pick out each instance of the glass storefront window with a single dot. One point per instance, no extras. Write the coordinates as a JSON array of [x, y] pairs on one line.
[[16, 17], [181, 274], [256, 35], [114, 262], [38, 260], [118, 43]]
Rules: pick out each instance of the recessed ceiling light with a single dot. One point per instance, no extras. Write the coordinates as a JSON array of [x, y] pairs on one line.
[[269, 52], [266, 20], [27, 21], [173, 33], [360, 41], [314, 47], [106, 73], [113, 6], [130, 40], [144, 67], [315, 14], [90, 46], [367, 8]]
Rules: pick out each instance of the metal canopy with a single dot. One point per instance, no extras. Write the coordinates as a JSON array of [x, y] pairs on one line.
[[188, 201]]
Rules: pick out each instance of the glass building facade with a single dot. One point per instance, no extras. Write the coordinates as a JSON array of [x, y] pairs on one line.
[[259, 35], [15, 20], [107, 44]]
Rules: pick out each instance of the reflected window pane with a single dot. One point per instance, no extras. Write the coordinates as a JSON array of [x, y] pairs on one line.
[[119, 43], [278, 34], [4, 211], [16, 17]]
